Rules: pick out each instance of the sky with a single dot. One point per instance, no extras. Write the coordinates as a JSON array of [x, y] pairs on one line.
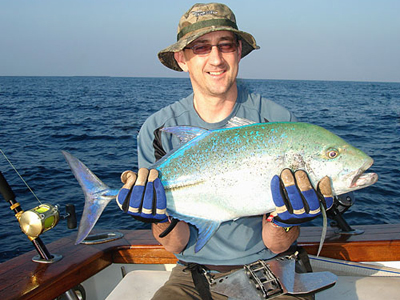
[[347, 40]]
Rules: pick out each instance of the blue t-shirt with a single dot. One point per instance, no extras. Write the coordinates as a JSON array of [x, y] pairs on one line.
[[235, 242]]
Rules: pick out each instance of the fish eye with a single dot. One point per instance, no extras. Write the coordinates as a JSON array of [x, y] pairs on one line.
[[332, 153]]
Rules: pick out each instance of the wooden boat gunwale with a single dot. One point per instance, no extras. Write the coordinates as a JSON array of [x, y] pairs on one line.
[[20, 278]]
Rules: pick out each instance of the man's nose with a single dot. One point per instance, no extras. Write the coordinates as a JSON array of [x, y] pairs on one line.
[[215, 55]]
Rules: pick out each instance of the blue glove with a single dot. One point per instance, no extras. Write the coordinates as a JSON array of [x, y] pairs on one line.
[[143, 196], [296, 200]]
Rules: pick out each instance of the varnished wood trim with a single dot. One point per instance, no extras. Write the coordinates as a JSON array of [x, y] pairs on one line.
[[20, 278]]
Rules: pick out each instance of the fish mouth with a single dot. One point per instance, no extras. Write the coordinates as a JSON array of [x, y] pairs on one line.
[[361, 179]]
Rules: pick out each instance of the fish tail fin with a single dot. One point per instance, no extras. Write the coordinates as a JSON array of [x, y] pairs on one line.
[[97, 195]]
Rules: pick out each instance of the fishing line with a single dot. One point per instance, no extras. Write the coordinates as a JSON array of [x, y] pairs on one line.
[[20, 176]]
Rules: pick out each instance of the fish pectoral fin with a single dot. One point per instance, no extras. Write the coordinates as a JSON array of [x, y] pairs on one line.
[[324, 228]]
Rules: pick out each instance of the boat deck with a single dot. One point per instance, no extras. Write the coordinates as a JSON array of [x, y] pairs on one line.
[[20, 278]]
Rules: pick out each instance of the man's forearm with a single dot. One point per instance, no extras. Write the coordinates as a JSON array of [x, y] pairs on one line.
[[276, 238], [176, 240]]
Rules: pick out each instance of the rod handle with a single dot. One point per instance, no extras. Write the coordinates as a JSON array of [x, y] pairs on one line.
[[71, 216], [6, 190]]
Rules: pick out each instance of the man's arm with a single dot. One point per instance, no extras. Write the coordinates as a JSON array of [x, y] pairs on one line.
[[176, 240], [276, 238]]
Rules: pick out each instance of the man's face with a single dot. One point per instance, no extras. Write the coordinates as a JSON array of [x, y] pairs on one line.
[[213, 74]]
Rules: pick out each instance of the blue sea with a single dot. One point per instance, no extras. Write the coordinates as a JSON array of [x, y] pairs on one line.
[[97, 119]]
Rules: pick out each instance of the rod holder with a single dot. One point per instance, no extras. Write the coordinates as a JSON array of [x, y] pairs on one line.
[[340, 206], [9, 196]]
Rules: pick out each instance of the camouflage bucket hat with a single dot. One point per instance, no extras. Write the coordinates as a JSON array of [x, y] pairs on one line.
[[201, 19]]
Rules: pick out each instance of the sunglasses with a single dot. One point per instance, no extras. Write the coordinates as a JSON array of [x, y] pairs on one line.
[[206, 48]]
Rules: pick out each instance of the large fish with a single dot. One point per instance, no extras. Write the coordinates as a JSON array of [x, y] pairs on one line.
[[225, 174]]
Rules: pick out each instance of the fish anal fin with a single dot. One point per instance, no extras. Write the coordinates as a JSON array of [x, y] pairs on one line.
[[206, 231], [206, 228]]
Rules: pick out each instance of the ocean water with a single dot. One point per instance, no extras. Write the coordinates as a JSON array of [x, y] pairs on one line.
[[97, 119]]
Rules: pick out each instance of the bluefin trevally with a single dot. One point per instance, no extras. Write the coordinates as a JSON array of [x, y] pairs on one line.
[[219, 175]]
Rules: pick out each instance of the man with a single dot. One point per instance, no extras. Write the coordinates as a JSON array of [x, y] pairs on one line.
[[209, 47]]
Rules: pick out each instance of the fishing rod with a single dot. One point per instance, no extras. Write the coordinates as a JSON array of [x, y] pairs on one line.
[[37, 220]]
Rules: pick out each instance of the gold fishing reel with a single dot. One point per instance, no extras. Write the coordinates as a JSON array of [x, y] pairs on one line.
[[39, 219]]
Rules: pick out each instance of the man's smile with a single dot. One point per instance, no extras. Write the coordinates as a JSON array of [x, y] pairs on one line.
[[216, 73]]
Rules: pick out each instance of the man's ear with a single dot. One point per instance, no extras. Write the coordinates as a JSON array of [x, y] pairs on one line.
[[180, 59]]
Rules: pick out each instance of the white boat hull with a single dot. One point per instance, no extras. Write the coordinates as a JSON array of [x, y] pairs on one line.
[[372, 280]]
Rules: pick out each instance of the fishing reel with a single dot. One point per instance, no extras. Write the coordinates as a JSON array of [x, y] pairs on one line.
[[44, 217], [341, 204], [38, 220]]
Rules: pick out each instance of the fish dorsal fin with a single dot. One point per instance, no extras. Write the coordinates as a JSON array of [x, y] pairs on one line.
[[237, 122], [185, 133], [188, 133]]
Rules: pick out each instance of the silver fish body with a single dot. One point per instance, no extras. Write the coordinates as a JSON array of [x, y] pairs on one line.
[[225, 174]]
